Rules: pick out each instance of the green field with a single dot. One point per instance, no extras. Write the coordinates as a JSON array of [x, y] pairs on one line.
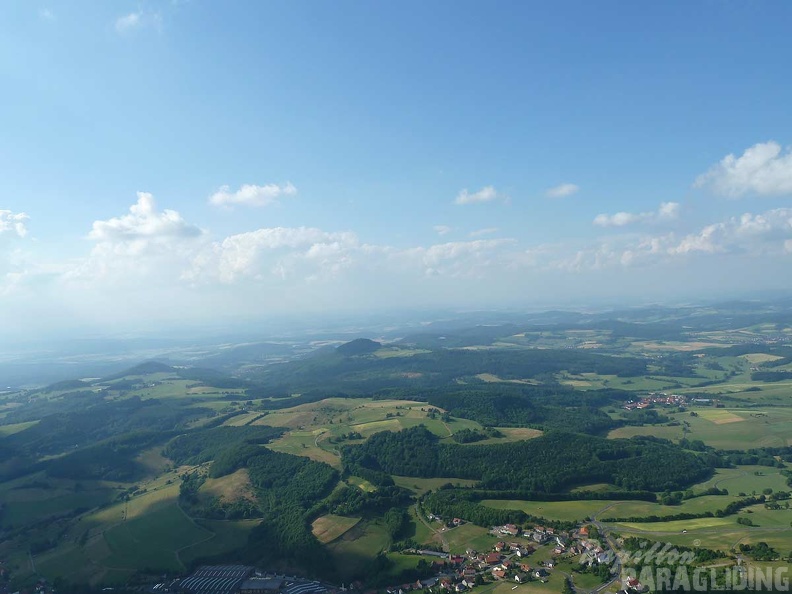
[[732, 428], [316, 429], [580, 510], [468, 536], [327, 528], [422, 485], [6, 430], [355, 549]]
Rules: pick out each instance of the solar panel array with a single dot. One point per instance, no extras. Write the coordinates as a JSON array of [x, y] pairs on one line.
[[303, 588], [216, 579]]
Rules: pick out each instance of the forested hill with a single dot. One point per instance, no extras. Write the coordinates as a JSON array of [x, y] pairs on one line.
[[546, 464], [336, 371]]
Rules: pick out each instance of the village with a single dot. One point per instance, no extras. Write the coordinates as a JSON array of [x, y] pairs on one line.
[[512, 560], [652, 398]]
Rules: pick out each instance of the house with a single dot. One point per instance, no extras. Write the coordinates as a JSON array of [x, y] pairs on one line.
[[499, 546], [457, 559], [525, 551], [539, 537], [634, 585], [510, 529], [525, 567], [457, 522], [583, 532], [460, 587], [541, 573], [521, 578], [492, 558], [498, 574]]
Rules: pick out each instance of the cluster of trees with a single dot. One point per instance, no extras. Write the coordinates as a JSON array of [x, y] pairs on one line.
[[699, 555], [645, 416], [545, 407], [771, 376], [348, 500], [397, 521], [112, 459], [761, 551], [469, 436], [547, 464], [203, 445], [455, 503]]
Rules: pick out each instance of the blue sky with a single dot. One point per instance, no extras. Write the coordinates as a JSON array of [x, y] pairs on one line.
[[322, 156]]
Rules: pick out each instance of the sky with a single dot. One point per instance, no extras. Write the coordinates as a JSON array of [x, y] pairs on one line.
[[168, 163]]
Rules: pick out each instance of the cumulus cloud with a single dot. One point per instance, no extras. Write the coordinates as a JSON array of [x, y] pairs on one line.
[[486, 194], [442, 229], [461, 259], [562, 191], [762, 169], [145, 244], [763, 233], [278, 251], [46, 14], [667, 211], [143, 222], [252, 195], [13, 223]]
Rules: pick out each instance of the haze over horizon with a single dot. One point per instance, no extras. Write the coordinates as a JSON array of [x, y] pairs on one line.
[[183, 163]]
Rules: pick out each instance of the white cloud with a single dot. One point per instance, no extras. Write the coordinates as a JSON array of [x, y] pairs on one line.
[[442, 229], [11, 222], [481, 232], [138, 20], [280, 251], [130, 21], [460, 259], [562, 191], [758, 234], [252, 195], [667, 211], [143, 222], [46, 14], [486, 194], [762, 169], [143, 245]]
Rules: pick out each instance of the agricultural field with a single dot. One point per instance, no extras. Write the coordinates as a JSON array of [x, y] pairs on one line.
[[467, 536], [724, 428], [421, 485], [355, 549], [580, 510], [328, 528]]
